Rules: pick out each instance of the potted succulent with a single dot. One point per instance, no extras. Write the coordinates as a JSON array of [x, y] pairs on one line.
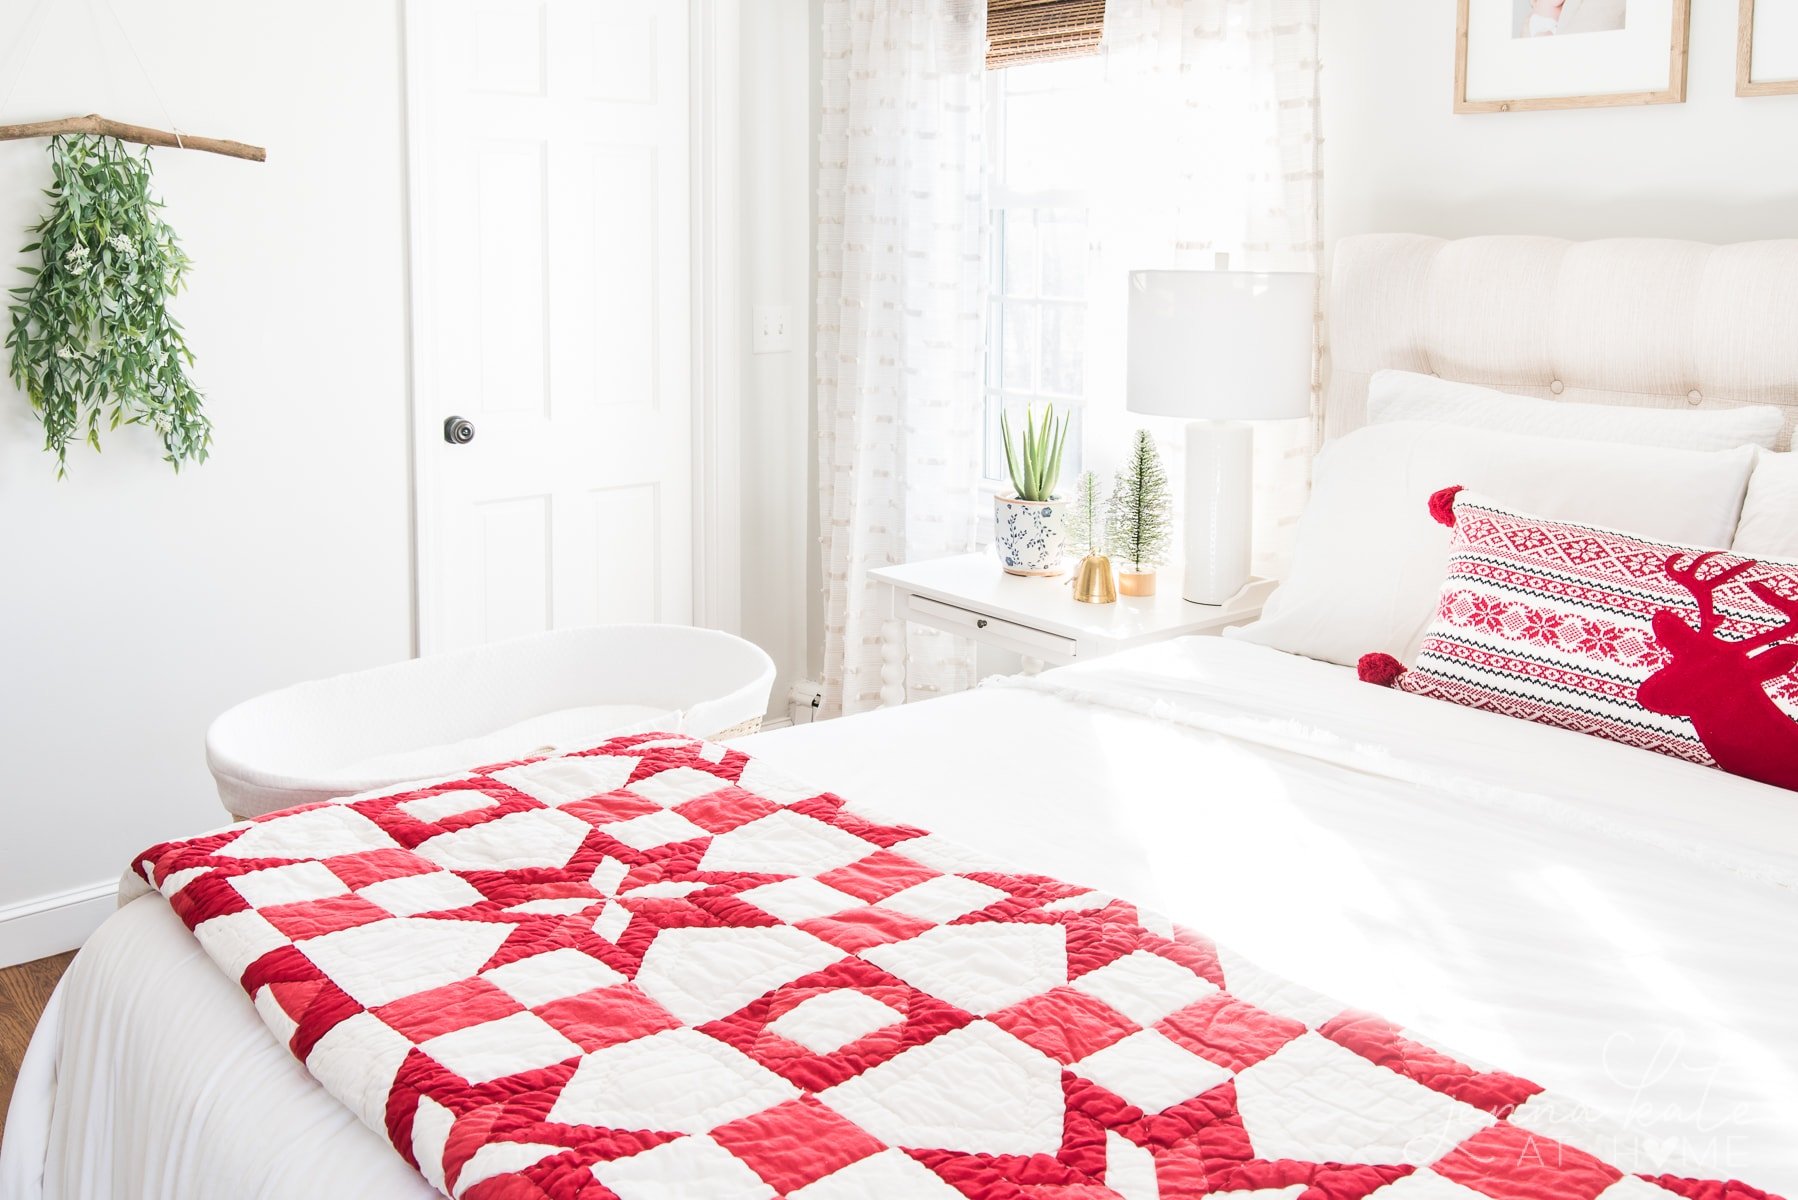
[[1028, 526], [1086, 532], [1138, 527]]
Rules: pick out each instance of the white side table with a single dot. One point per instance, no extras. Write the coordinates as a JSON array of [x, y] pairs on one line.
[[971, 595]]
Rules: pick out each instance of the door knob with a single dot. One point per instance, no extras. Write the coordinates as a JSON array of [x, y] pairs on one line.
[[458, 431]]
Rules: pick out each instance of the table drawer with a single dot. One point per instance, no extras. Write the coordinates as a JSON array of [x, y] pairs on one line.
[[1020, 639]]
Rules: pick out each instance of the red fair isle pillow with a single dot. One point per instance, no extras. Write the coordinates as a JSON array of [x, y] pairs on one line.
[[1682, 651]]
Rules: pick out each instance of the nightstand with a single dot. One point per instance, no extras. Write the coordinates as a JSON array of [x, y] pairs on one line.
[[971, 595]]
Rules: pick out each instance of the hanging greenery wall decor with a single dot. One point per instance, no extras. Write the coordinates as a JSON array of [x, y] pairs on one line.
[[92, 340]]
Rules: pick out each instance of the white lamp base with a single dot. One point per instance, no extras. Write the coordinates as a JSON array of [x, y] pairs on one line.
[[1219, 496]]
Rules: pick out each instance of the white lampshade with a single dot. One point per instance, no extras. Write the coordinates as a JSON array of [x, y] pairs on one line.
[[1221, 345]]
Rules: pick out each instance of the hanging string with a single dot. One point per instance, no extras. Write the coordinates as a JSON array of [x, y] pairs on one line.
[[93, 124], [40, 17], [145, 72]]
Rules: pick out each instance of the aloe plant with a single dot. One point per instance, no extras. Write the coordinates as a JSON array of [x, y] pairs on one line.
[[1035, 461]]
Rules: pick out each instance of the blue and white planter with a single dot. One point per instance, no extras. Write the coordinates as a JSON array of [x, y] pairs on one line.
[[1029, 535]]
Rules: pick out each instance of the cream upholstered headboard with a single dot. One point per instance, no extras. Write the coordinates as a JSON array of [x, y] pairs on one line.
[[1619, 321]]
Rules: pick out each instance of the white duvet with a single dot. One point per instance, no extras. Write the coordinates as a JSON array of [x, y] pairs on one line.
[[1615, 926]]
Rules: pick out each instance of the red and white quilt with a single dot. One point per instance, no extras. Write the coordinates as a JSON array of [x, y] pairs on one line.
[[658, 969]]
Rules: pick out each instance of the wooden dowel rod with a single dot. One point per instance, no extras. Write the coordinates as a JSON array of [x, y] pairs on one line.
[[96, 124]]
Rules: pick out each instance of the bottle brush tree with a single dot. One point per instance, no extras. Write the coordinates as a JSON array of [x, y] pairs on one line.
[[92, 340], [1086, 517], [1140, 527]]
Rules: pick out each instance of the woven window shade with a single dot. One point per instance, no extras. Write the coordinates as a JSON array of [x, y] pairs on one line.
[[1023, 31]]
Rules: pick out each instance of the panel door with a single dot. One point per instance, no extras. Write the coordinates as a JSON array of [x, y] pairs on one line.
[[550, 235]]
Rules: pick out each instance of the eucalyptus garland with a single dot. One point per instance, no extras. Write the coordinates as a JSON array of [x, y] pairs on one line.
[[92, 340]]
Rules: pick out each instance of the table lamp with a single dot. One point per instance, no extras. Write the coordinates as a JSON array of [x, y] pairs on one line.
[[1220, 348]]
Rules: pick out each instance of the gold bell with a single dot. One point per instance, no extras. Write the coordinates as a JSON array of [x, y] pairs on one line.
[[1093, 584]]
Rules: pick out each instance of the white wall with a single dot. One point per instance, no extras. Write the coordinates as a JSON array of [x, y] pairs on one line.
[[135, 604], [814, 541], [1398, 158], [775, 189]]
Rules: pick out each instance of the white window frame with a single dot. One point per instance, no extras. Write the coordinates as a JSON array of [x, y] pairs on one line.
[[1001, 200]]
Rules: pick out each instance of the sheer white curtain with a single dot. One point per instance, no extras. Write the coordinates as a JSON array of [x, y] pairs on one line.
[[1202, 139], [900, 311], [1209, 112]]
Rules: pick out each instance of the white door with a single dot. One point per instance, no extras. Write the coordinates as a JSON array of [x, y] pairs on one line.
[[550, 242]]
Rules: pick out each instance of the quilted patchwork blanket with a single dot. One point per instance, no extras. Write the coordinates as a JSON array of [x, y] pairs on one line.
[[658, 969]]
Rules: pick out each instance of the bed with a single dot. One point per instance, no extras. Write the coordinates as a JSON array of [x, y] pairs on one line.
[[1614, 925]]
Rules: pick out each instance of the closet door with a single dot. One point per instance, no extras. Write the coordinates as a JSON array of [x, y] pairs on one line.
[[550, 236]]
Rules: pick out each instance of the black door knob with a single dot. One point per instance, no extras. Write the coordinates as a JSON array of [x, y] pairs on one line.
[[458, 431]]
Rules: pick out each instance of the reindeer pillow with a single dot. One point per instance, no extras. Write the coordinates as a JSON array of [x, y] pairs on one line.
[[1686, 652]]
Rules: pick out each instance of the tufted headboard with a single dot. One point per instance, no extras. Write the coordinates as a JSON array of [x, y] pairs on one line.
[[1621, 321]]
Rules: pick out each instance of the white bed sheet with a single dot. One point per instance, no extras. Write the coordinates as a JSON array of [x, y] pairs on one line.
[[1618, 927]]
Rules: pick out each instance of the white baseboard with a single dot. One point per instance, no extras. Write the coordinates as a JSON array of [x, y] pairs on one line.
[[46, 925]]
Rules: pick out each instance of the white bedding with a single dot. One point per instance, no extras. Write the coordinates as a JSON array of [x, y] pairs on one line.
[[1454, 871]]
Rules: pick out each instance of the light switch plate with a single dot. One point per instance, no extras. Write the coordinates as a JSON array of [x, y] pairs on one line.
[[771, 329]]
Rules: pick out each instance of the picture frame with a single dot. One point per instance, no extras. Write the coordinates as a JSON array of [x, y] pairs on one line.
[[1780, 77], [1503, 63]]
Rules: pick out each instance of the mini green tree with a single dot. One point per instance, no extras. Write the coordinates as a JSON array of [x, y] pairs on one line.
[[1086, 523], [91, 337], [1139, 525]]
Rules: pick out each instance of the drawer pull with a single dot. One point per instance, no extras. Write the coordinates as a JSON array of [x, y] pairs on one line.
[[980, 624]]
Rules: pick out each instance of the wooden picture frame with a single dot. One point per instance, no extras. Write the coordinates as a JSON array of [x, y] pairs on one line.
[[1745, 83], [1674, 93]]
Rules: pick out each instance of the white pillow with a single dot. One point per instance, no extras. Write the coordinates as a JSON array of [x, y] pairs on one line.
[[1407, 396], [1769, 525], [1369, 561]]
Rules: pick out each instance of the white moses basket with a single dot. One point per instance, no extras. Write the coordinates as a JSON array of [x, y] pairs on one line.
[[430, 717]]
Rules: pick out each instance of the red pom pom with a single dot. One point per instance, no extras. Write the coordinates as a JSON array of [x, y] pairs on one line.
[[1381, 669], [1442, 505]]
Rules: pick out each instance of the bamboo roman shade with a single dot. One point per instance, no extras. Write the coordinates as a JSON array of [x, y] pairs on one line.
[[1022, 31]]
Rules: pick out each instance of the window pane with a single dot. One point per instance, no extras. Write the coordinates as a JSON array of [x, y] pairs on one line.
[[1074, 460], [993, 460], [995, 338], [1021, 275], [1056, 74], [1052, 124], [1064, 350], [1039, 130], [995, 251], [1047, 126], [1019, 337], [1061, 237]]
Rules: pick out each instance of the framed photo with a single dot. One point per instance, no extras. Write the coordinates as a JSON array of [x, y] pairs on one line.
[[1767, 48], [1522, 55]]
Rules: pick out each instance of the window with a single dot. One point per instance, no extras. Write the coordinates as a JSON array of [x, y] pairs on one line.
[[1039, 140]]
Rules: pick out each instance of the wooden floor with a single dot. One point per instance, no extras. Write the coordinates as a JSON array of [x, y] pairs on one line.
[[24, 990]]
